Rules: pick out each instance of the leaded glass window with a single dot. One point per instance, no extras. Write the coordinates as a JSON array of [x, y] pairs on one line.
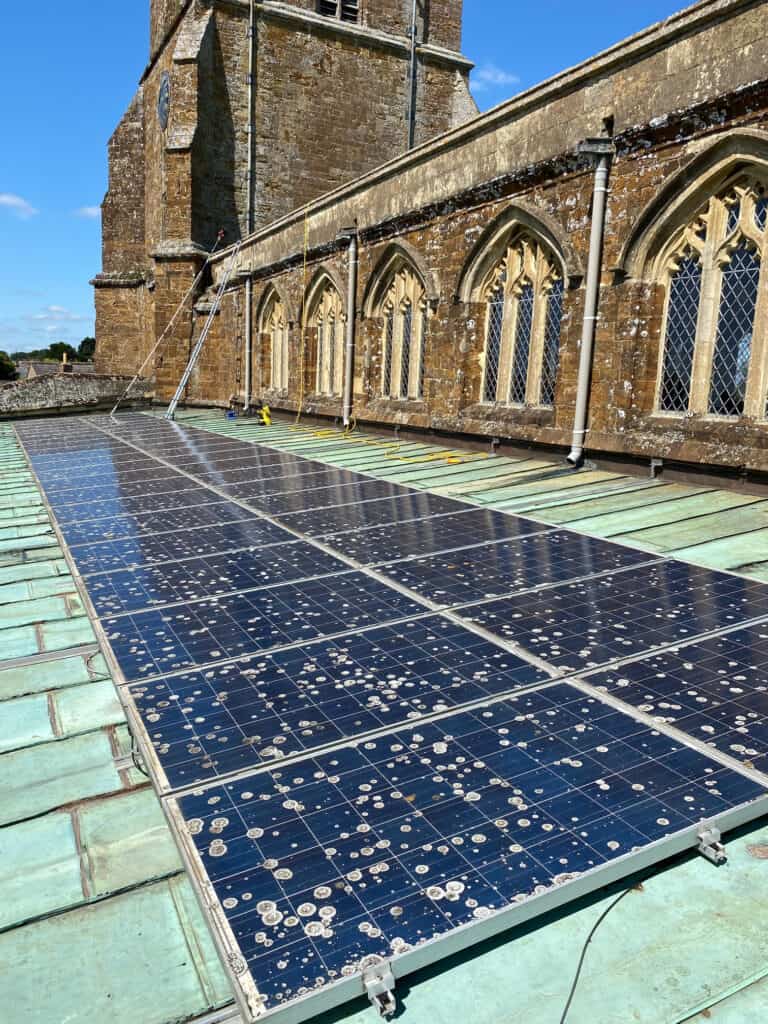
[[404, 310], [327, 315], [730, 366], [524, 296], [405, 349], [493, 344], [389, 340], [522, 351], [684, 295], [274, 325], [712, 362], [551, 362]]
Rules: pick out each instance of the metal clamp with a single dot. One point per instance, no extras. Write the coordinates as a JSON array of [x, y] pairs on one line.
[[710, 845], [379, 984]]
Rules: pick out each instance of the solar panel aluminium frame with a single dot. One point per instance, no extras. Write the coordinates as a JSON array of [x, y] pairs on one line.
[[439, 948]]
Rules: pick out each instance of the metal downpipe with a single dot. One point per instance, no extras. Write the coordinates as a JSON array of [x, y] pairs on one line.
[[349, 355], [248, 383], [603, 149], [412, 80]]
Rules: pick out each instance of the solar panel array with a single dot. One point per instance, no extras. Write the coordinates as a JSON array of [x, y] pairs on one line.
[[380, 716]]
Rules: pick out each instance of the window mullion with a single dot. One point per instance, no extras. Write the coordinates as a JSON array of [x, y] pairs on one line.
[[536, 349], [397, 352], [320, 355], [419, 349], [508, 328], [706, 330]]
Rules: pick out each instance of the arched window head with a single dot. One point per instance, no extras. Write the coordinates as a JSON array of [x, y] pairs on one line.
[[404, 312], [328, 318], [274, 324], [524, 310], [712, 360]]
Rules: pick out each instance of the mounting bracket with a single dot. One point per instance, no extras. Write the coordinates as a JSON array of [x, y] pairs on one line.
[[379, 984], [710, 845]]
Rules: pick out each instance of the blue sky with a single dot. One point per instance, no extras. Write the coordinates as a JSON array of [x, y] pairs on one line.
[[69, 74]]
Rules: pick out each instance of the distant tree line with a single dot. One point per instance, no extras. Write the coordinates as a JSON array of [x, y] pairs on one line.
[[54, 353]]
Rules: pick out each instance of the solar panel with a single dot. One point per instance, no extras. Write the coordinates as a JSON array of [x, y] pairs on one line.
[[247, 534], [254, 470], [715, 690], [124, 482], [415, 506], [128, 590], [258, 461], [436, 533], [291, 480], [157, 642], [207, 724], [475, 574], [581, 625], [146, 504], [124, 526], [438, 836], [300, 500]]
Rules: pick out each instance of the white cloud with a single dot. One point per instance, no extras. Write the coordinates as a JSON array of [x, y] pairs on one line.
[[490, 76], [17, 205], [31, 330], [55, 316], [89, 212]]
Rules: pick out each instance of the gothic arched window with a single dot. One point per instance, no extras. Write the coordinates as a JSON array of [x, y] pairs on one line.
[[275, 325], [524, 299], [404, 311], [329, 320], [709, 362]]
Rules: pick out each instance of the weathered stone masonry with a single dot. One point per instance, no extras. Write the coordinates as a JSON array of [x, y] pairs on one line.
[[330, 101], [687, 105]]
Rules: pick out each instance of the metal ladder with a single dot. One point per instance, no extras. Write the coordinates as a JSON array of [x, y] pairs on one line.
[[171, 410]]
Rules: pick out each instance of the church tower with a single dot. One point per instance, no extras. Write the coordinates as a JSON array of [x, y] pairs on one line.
[[246, 111]]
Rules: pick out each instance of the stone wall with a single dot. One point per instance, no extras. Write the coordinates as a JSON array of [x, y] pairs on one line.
[[687, 102], [330, 101], [65, 391]]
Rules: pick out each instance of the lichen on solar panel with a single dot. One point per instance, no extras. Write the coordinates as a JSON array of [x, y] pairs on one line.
[[380, 847]]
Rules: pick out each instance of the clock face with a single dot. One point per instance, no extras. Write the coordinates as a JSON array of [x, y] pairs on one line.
[[164, 100]]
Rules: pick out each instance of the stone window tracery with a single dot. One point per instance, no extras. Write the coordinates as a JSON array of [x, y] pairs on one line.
[[275, 326], [712, 360], [404, 311], [524, 298], [329, 320]]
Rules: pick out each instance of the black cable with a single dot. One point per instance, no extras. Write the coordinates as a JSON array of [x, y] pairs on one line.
[[582, 958], [135, 758]]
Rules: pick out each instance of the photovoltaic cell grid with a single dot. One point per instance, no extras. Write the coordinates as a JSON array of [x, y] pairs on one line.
[[206, 724], [715, 690], [400, 838], [459, 577], [151, 643], [378, 849], [247, 534], [581, 625]]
